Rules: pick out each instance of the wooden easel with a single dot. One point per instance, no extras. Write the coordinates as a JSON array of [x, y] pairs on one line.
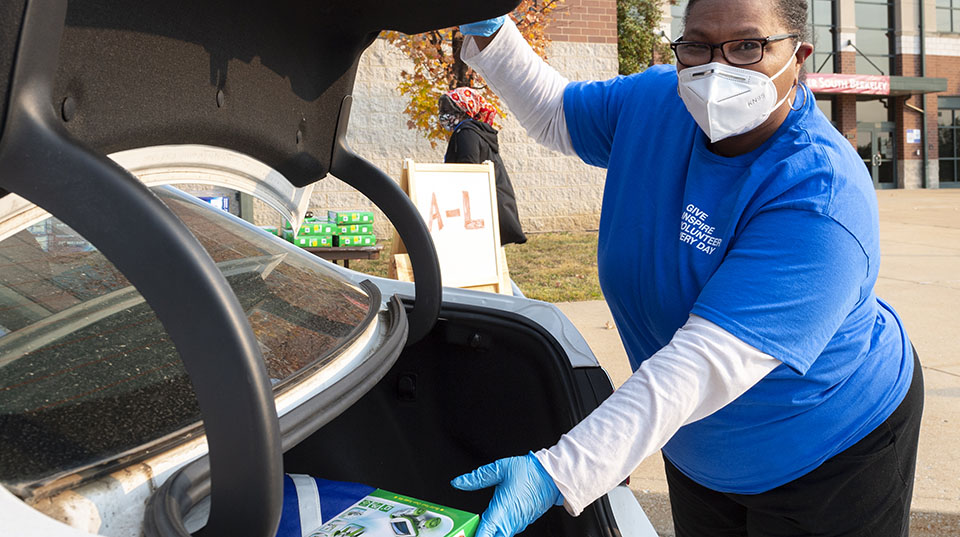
[[416, 180]]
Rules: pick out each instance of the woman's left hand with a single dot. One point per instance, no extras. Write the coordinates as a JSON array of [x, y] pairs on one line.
[[524, 492], [483, 28]]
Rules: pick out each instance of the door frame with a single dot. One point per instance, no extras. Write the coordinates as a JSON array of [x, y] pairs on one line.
[[873, 165]]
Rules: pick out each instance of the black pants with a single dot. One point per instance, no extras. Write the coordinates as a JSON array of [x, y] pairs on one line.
[[863, 491]]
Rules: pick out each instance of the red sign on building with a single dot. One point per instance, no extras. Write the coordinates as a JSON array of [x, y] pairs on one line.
[[839, 83]]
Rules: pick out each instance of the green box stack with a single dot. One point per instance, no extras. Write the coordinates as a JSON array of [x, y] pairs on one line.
[[343, 229], [346, 241], [353, 228], [313, 226], [272, 230], [312, 233], [350, 217], [314, 241]]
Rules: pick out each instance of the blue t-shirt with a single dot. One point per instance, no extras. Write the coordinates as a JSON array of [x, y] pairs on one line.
[[778, 246]]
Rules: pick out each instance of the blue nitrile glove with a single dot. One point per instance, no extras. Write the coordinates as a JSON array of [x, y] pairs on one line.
[[485, 28], [525, 491]]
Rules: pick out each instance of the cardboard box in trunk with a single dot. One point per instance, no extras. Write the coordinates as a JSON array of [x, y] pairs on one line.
[[322, 508]]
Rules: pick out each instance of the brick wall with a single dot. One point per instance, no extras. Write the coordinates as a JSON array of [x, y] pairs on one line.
[[941, 67], [904, 116], [584, 21], [945, 67], [845, 116], [943, 61], [943, 45], [845, 106], [848, 62]]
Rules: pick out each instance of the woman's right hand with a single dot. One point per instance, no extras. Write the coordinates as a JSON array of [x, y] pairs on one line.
[[523, 492], [483, 28]]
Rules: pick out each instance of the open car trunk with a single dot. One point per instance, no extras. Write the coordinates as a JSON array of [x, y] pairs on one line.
[[482, 385], [271, 82]]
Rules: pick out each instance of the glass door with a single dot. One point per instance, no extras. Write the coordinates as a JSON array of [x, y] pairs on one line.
[[876, 145], [949, 138]]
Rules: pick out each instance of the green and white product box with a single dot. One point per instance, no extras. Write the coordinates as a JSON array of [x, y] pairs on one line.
[[314, 241], [386, 514], [355, 229], [356, 240], [272, 230], [350, 217], [318, 228]]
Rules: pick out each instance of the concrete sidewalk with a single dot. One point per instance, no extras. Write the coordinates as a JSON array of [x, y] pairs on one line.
[[920, 278]]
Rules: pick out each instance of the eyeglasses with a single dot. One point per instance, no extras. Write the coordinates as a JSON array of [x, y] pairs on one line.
[[736, 51]]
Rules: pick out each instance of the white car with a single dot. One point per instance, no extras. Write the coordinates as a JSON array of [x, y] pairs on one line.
[[163, 363]]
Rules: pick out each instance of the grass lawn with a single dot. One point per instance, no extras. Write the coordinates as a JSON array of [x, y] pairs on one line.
[[554, 267]]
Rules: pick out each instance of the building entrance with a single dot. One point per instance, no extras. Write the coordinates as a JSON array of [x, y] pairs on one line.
[[876, 145]]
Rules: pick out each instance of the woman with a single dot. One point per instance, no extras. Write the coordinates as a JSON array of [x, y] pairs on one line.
[[467, 115], [785, 395]]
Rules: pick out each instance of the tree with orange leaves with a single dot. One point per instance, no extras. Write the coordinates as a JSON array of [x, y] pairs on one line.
[[437, 67]]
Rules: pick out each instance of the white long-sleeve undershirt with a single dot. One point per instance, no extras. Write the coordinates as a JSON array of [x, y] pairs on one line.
[[701, 370], [532, 89]]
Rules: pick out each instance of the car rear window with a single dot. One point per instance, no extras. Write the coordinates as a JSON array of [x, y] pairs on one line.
[[87, 372]]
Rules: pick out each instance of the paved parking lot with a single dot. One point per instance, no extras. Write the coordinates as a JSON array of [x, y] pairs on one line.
[[920, 277]]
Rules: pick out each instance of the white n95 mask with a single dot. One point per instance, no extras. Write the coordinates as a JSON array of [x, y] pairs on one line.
[[726, 100]]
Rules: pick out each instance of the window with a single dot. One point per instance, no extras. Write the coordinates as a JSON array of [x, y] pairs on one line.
[[822, 21], [873, 111], [948, 16], [676, 22], [949, 136], [825, 102], [874, 37], [88, 373]]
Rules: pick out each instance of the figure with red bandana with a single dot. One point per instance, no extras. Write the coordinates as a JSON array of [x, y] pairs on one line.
[[473, 140]]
